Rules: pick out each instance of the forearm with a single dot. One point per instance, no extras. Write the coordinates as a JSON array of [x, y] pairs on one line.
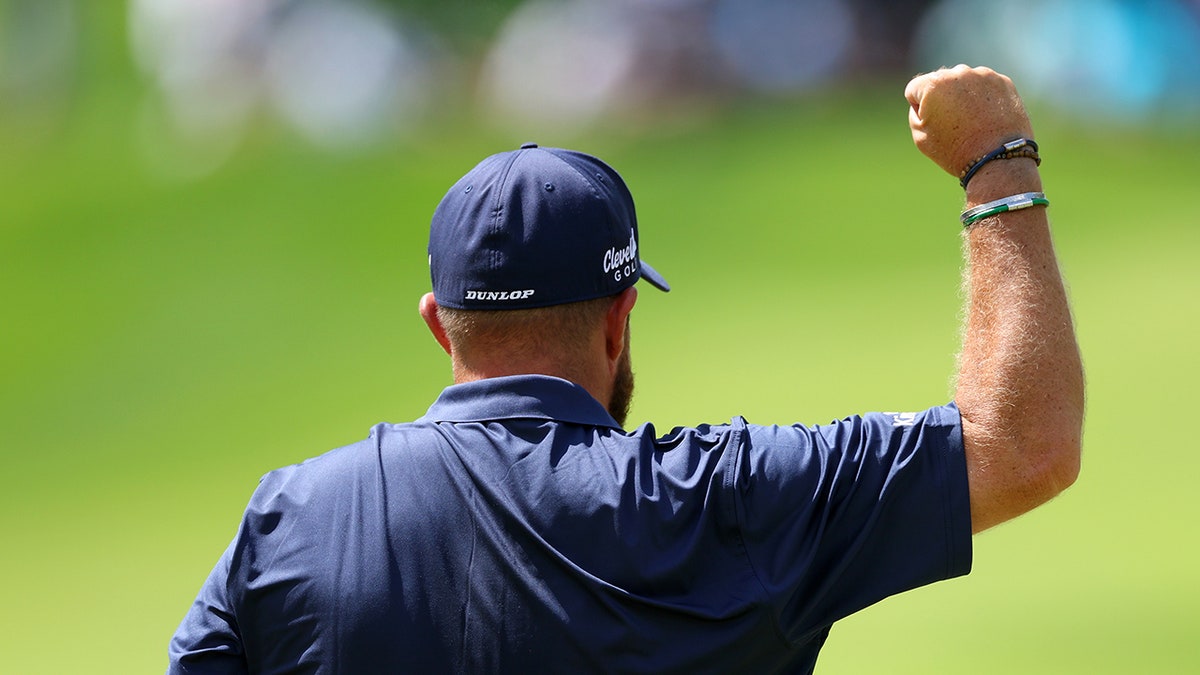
[[1020, 380]]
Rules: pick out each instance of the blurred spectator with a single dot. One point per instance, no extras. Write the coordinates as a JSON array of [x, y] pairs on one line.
[[203, 55], [341, 73], [571, 63], [782, 46], [886, 31], [347, 73]]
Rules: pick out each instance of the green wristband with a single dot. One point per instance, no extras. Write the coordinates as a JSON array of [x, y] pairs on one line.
[[1013, 203]]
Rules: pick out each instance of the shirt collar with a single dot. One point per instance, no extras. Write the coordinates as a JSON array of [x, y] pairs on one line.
[[519, 396]]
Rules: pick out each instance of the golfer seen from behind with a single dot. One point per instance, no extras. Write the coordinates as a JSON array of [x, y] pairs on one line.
[[518, 527]]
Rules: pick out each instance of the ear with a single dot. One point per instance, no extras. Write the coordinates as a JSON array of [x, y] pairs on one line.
[[428, 309], [615, 324]]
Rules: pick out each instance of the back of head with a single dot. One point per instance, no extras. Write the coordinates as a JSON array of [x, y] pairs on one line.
[[563, 332], [535, 227], [528, 248]]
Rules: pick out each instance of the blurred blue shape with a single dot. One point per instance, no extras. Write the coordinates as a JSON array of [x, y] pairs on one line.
[[1104, 59], [783, 46]]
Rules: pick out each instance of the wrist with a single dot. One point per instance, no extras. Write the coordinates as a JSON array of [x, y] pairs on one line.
[[996, 180], [1019, 147]]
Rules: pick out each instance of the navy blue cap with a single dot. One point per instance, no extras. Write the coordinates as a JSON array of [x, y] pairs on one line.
[[535, 227]]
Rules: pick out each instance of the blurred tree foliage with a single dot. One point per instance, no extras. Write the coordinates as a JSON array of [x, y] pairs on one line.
[[469, 24]]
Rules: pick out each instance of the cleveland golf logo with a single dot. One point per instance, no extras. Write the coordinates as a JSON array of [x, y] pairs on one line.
[[499, 295], [622, 262]]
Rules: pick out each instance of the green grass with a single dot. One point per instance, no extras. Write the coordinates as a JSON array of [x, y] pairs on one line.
[[163, 344]]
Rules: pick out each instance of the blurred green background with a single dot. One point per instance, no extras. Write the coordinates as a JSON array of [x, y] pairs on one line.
[[164, 341]]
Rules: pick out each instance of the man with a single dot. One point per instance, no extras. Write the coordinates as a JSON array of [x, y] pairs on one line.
[[517, 527]]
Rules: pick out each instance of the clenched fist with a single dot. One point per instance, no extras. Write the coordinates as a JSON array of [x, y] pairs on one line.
[[960, 114]]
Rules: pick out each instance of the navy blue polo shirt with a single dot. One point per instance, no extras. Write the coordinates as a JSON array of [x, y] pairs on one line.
[[517, 528]]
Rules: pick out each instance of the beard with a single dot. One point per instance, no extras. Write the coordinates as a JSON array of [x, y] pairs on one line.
[[622, 391]]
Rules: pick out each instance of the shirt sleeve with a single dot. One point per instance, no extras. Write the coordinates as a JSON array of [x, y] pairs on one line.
[[207, 640], [837, 517]]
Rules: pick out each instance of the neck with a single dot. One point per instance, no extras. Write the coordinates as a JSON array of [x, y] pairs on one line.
[[596, 381]]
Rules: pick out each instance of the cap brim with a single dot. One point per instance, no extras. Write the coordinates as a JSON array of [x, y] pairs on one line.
[[652, 275]]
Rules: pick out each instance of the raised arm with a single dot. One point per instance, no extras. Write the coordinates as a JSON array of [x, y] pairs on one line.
[[1020, 380]]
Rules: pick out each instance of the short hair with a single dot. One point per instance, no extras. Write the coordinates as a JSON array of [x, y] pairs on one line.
[[564, 328]]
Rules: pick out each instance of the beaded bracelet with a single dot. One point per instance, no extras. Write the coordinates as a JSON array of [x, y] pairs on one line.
[[1022, 147], [1013, 203]]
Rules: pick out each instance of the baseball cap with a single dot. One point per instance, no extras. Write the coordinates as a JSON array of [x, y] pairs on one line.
[[535, 227]]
